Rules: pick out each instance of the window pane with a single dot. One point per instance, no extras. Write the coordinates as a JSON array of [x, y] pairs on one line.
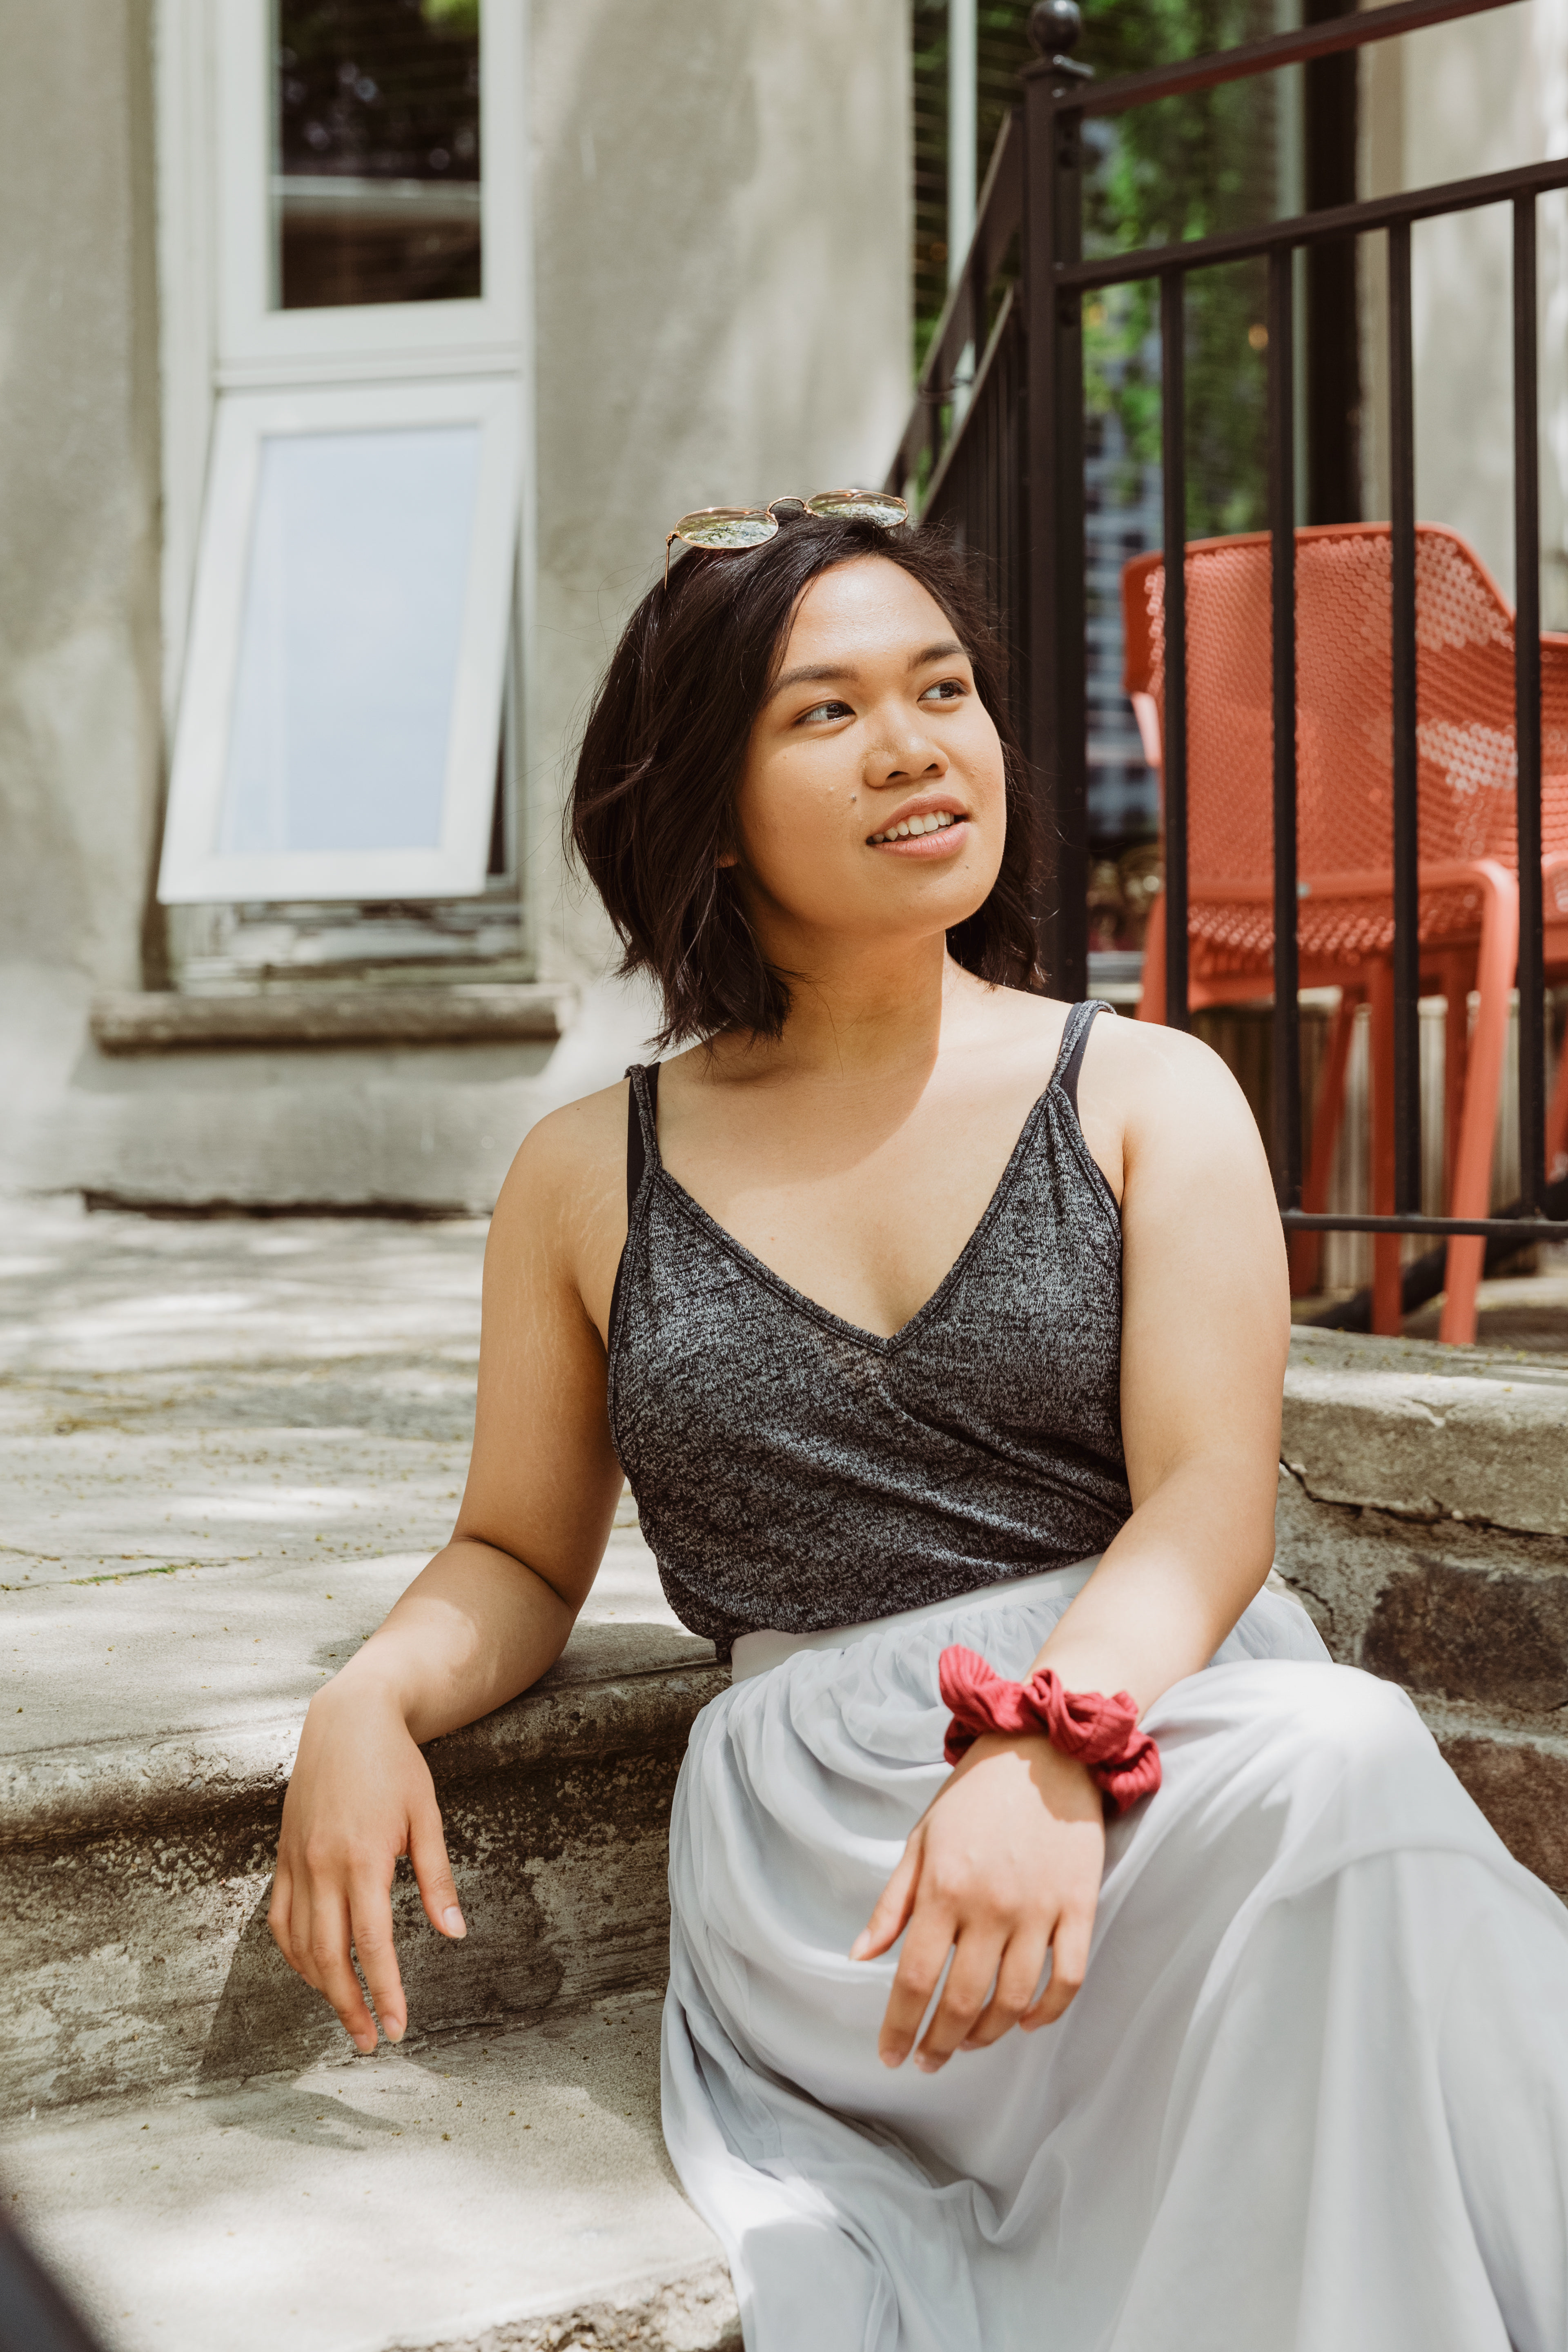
[[377, 192], [350, 640]]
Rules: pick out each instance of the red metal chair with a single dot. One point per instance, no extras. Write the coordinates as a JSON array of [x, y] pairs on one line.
[[1468, 924]]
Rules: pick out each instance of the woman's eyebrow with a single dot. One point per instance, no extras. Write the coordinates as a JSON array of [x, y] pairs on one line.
[[822, 673], [813, 674]]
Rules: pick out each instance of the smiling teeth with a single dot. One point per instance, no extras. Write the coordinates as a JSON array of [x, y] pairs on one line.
[[937, 823]]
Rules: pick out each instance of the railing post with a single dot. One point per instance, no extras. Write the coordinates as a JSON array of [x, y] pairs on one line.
[[1527, 714], [1406, 765], [1282, 525], [1055, 721], [1174, 478]]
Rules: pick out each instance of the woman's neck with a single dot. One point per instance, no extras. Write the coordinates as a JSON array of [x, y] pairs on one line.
[[855, 1018]]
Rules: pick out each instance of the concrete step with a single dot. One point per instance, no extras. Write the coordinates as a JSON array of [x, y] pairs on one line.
[[228, 1445], [203, 1526], [509, 2189], [1423, 1518]]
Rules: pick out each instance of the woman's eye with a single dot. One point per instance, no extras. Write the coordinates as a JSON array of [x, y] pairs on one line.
[[827, 710], [946, 690]]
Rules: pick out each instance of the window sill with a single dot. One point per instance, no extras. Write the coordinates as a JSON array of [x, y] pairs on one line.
[[466, 1013]]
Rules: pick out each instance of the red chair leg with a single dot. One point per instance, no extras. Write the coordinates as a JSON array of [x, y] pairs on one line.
[[1472, 1193], [1387, 1288], [1456, 971], [1306, 1250], [1557, 1123]]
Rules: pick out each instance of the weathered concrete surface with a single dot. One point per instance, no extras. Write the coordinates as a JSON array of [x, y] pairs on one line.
[[226, 1447], [339, 1126], [1423, 1517], [1407, 1426], [487, 2195]]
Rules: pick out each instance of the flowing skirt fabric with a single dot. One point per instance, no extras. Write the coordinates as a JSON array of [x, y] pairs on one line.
[[1314, 2093]]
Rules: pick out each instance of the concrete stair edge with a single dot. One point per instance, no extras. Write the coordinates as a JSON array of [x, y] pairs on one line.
[[95, 1789]]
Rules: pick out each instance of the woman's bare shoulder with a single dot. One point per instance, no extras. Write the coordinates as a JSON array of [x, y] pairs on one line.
[[569, 1171]]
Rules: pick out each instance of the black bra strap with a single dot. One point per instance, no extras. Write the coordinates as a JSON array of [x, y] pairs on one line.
[[1083, 1014], [637, 1146]]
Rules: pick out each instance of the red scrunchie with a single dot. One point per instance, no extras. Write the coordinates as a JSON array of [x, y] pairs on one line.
[[1103, 1732]]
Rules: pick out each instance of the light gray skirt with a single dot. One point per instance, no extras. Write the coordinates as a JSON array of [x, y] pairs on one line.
[[1312, 2095]]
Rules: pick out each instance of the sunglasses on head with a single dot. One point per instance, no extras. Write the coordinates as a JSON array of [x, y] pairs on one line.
[[728, 530]]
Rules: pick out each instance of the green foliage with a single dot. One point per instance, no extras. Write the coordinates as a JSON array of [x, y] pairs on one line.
[[458, 17], [1189, 167]]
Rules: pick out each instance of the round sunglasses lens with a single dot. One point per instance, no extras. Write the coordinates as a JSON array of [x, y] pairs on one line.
[[725, 530], [860, 506]]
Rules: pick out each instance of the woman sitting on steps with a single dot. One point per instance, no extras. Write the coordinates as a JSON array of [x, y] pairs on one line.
[[936, 1322]]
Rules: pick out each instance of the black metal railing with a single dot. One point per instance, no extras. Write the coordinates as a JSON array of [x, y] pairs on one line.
[[1000, 460]]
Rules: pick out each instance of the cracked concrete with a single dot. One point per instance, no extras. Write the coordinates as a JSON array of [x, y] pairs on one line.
[[1429, 1432]]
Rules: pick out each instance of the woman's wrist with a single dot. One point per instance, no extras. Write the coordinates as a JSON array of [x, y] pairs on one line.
[[367, 1680]]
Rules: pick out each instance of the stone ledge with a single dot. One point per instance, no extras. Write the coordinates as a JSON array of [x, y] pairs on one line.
[[135, 1881], [463, 1013], [696, 2312], [1428, 1433], [622, 1692], [1517, 1774]]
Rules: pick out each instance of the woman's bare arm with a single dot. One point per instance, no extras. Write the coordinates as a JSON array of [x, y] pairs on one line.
[[1005, 1866], [1205, 1335], [493, 1609]]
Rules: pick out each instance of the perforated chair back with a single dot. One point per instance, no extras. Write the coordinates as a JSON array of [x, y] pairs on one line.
[[1344, 747]]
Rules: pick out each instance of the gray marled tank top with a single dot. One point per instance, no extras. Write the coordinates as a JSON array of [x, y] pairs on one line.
[[793, 1471]]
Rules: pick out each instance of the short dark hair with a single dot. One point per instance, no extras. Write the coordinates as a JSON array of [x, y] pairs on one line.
[[652, 804]]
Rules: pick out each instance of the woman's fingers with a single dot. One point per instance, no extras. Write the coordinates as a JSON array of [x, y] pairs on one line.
[[437, 1887], [920, 1964], [894, 1905], [333, 1970], [370, 1919], [1018, 1980], [278, 1910], [964, 1995], [1070, 1958]]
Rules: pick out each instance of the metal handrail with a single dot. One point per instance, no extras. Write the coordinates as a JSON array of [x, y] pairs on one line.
[[1023, 470]]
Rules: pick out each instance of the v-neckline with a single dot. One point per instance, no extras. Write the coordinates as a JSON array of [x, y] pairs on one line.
[[884, 1342]]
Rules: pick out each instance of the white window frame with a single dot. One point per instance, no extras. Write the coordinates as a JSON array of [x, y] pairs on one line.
[[252, 335], [193, 870], [222, 350]]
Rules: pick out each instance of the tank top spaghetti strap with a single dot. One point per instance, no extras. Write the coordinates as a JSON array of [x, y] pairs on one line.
[[793, 1471]]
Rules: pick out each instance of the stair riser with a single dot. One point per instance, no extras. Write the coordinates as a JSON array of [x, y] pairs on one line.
[[142, 1960]]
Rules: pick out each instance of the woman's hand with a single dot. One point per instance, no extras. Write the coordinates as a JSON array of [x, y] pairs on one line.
[[360, 1796], [1002, 1868]]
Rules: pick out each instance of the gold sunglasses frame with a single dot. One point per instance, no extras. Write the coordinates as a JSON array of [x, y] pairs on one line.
[[820, 502]]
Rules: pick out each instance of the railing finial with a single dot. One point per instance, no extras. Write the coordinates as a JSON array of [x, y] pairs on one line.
[[1055, 26], [1054, 29]]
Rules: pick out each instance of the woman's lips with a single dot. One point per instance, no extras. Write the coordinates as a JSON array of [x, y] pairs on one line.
[[925, 846]]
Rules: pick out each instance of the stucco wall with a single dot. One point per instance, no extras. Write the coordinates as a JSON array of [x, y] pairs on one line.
[[79, 652], [1481, 94], [721, 241]]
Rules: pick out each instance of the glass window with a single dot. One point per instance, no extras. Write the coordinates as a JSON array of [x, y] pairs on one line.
[[349, 634], [375, 187], [340, 719]]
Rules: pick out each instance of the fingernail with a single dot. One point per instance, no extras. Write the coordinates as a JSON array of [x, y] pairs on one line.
[[928, 2066], [892, 2057], [452, 1920], [858, 1948], [394, 2032]]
